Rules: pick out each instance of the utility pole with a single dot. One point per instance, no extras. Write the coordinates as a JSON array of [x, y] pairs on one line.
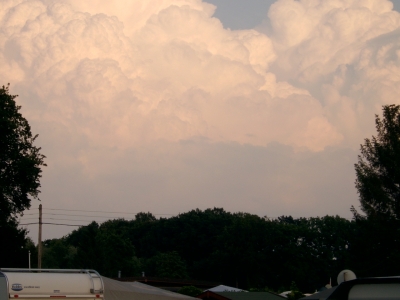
[[29, 259], [40, 238]]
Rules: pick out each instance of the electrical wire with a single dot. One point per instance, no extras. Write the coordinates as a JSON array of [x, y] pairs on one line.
[[51, 224], [85, 216], [77, 220], [76, 215], [113, 212], [70, 216], [92, 211], [108, 212], [59, 219]]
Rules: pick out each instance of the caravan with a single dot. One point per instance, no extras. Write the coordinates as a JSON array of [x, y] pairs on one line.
[[45, 283]]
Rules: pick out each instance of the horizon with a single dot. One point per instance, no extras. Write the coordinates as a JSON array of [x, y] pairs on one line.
[[256, 106]]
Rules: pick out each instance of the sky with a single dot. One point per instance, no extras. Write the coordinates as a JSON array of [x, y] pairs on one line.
[[172, 105]]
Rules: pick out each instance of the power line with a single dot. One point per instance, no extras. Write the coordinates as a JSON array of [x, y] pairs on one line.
[[107, 212], [92, 211], [102, 211], [76, 215], [79, 220], [67, 215], [113, 212], [64, 219], [70, 215], [52, 224]]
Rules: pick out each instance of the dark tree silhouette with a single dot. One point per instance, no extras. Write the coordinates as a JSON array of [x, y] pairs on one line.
[[20, 160], [20, 172], [378, 168]]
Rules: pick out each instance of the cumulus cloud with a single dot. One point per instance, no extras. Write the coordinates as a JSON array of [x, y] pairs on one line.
[[116, 85], [345, 53], [176, 75]]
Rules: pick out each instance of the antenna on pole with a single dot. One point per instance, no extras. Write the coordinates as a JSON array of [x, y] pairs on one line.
[[40, 238]]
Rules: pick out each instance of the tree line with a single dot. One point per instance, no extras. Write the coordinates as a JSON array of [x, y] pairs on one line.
[[237, 249]]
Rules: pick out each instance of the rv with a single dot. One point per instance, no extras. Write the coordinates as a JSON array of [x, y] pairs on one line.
[[40, 284]]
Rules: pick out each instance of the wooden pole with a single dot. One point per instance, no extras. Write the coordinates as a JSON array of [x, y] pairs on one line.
[[40, 238]]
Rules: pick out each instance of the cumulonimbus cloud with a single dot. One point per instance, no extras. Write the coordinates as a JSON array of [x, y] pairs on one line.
[[345, 53], [171, 73], [110, 80]]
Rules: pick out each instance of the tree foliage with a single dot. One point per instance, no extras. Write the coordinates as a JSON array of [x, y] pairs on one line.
[[13, 250], [20, 160], [294, 292], [378, 185], [58, 254], [237, 249], [106, 248], [20, 172], [378, 168], [168, 265], [190, 290]]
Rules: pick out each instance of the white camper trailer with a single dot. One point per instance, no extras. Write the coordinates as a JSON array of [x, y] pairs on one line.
[[47, 283]]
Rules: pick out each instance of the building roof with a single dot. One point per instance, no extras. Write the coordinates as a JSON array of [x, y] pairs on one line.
[[209, 295], [117, 290], [169, 282], [251, 296], [225, 288], [321, 295]]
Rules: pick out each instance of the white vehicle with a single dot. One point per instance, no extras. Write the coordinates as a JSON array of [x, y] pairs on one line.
[[43, 284]]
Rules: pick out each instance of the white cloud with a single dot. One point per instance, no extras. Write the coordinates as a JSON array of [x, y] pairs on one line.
[[112, 86], [179, 75], [343, 53]]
